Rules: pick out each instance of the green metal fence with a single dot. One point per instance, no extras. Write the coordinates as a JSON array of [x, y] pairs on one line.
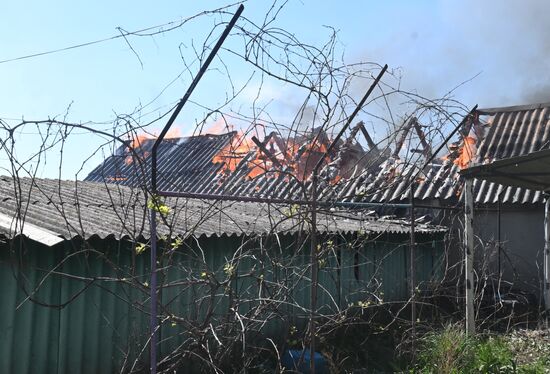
[[83, 307]]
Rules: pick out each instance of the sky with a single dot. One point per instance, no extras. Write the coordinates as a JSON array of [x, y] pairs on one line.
[[496, 52]]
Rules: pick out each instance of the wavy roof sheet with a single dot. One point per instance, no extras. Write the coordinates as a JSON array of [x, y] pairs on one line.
[[72, 209], [510, 131], [186, 166], [183, 163]]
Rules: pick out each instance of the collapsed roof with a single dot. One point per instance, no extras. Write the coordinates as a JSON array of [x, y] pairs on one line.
[[279, 168]]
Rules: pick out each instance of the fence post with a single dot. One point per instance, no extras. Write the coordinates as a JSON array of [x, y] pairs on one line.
[[469, 255], [546, 286]]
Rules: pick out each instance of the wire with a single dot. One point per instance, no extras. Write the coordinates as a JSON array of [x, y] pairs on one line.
[[172, 25]]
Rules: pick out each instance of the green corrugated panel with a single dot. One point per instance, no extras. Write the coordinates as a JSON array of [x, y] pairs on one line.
[[348, 282], [299, 275], [393, 260], [105, 327], [100, 330], [28, 334], [329, 277]]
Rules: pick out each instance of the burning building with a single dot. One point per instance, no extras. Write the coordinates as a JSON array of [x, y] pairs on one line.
[[280, 167], [234, 164]]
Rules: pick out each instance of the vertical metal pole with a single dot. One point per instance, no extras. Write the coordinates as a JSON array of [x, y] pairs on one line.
[[313, 249], [314, 273], [469, 255], [188, 93], [412, 269], [154, 326], [498, 238], [546, 287], [154, 320]]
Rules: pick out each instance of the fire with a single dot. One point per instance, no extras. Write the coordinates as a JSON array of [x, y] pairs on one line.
[[466, 152], [219, 126], [139, 140], [336, 179], [232, 155], [236, 151], [289, 154]]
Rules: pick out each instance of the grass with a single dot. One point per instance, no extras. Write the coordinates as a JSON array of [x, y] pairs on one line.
[[451, 351]]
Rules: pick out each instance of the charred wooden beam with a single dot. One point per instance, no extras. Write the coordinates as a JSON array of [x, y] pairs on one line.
[[283, 147], [265, 151], [403, 136], [372, 145], [427, 148]]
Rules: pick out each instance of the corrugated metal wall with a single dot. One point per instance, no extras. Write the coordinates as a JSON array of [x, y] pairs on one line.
[[83, 307]]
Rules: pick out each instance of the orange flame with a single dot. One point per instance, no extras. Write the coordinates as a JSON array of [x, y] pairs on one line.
[[466, 152], [234, 153], [218, 127], [336, 179], [138, 141], [300, 157]]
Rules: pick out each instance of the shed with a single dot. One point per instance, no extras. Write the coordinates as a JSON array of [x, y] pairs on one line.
[[75, 263]]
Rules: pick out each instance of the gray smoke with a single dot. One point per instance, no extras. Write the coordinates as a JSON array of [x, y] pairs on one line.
[[506, 42]]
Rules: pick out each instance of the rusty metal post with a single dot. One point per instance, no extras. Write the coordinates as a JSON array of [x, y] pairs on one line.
[[412, 247], [546, 286], [313, 236], [314, 272], [153, 328], [469, 255]]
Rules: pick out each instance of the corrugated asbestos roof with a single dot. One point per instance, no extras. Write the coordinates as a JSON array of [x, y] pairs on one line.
[[514, 131], [185, 163], [511, 131], [86, 209], [186, 166]]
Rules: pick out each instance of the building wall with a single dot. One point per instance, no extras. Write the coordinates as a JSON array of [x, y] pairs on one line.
[[522, 242], [521, 245], [83, 307]]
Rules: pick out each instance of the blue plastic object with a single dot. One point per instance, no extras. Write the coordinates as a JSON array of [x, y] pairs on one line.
[[291, 361]]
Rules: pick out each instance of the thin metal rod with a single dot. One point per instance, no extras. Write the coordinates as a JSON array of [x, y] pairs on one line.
[[499, 211], [412, 270], [314, 273], [154, 301], [252, 199], [351, 117], [469, 256], [448, 138], [326, 203], [185, 97], [546, 259]]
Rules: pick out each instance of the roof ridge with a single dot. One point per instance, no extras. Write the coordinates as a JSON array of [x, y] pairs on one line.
[[513, 108]]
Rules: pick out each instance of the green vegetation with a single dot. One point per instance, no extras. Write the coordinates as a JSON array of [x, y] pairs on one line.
[[452, 351]]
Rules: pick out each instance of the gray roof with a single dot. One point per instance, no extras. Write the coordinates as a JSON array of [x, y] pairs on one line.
[[514, 131], [529, 171], [511, 131], [187, 166], [183, 163], [80, 209]]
